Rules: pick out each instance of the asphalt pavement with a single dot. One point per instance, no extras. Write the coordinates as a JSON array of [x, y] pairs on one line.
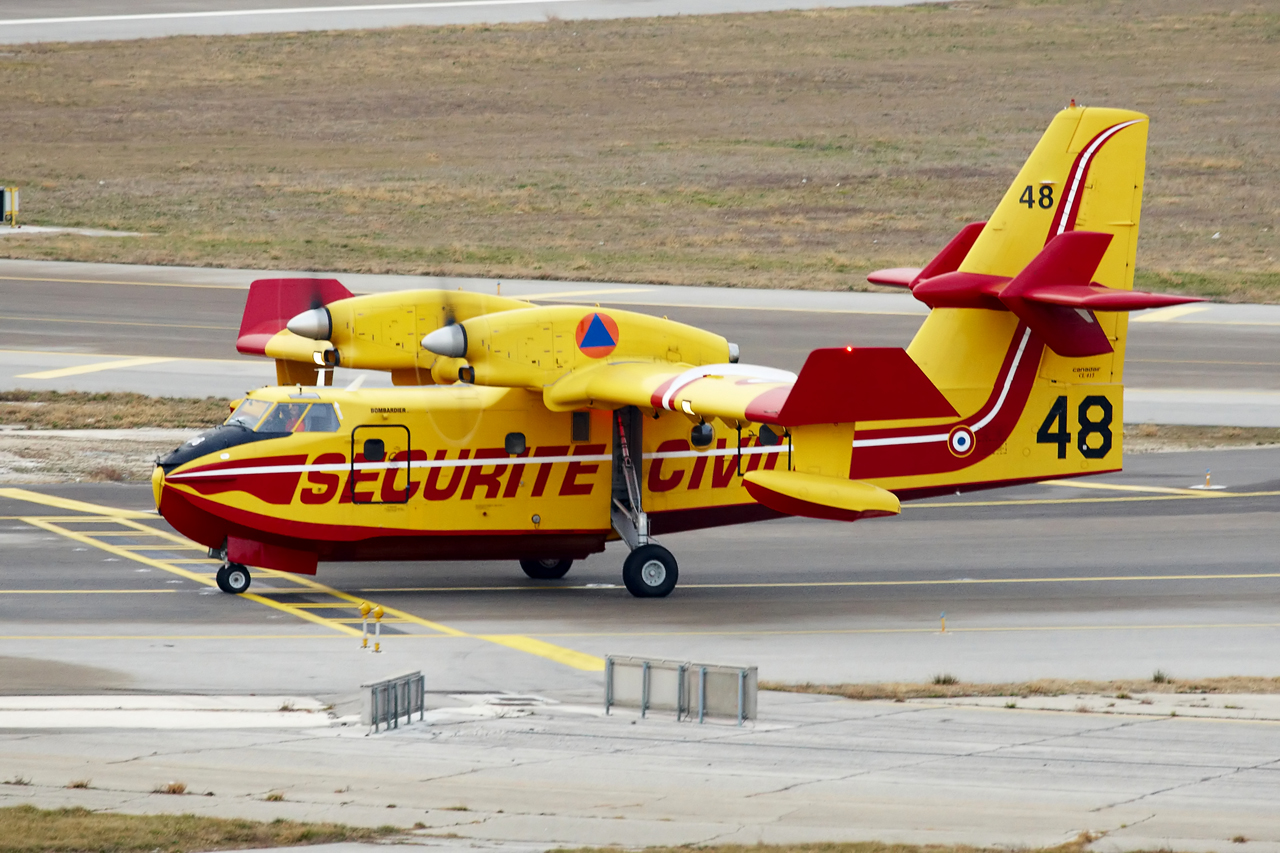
[[171, 331], [95, 20]]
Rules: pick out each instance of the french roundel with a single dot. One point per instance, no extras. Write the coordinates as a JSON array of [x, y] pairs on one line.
[[597, 335], [961, 441]]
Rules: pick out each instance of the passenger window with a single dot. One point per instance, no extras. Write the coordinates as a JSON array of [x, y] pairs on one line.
[[248, 413], [374, 450], [319, 418], [283, 418]]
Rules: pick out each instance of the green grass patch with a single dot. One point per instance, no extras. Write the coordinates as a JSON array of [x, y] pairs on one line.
[[27, 829]]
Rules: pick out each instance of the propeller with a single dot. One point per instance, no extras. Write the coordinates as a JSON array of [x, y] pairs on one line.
[[450, 340]]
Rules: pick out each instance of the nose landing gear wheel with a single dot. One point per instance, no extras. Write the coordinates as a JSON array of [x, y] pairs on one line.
[[650, 572], [233, 578], [545, 570]]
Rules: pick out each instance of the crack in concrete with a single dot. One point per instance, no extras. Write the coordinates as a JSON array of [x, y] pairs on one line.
[[952, 757], [200, 749], [1211, 778]]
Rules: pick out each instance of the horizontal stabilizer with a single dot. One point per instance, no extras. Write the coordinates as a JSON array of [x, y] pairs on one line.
[[273, 302], [948, 260], [848, 384], [896, 277], [1054, 294], [816, 496]]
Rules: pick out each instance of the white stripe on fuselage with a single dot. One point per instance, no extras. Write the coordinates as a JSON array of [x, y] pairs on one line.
[[943, 436], [249, 470]]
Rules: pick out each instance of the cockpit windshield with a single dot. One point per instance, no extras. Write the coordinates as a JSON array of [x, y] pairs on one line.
[[248, 413], [285, 417]]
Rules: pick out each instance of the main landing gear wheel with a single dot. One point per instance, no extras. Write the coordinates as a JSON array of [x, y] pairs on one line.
[[233, 578], [650, 572], [546, 570]]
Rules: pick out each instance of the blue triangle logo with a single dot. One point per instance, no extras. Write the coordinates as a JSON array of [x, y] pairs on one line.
[[597, 335]]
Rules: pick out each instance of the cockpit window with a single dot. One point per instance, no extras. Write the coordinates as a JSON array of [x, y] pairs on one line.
[[319, 418], [248, 413], [283, 418]]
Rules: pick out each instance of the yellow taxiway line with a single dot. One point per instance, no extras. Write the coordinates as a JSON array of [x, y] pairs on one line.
[[125, 518], [83, 591], [113, 323], [130, 283], [991, 629], [96, 367], [1117, 487], [1163, 315], [821, 584], [110, 513]]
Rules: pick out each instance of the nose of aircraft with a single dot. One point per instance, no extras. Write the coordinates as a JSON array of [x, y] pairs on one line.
[[157, 484]]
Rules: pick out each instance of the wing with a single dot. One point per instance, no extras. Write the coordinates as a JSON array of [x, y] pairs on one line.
[[723, 391], [836, 385]]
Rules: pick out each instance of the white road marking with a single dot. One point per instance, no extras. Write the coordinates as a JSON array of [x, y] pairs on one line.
[[304, 10]]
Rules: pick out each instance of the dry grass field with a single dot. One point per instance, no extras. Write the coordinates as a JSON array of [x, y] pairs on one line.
[[782, 150], [26, 829], [945, 687]]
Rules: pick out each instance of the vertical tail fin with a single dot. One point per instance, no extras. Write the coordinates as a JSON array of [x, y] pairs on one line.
[[1013, 341]]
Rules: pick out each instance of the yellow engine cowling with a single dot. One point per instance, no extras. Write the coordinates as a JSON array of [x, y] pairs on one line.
[[383, 331], [533, 347]]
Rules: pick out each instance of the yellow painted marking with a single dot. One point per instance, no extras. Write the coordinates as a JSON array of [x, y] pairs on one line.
[[131, 283], [569, 657], [1194, 361], [578, 660], [81, 591], [53, 527], [1117, 487], [1173, 312], [1046, 501], [241, 361], [817, 584], [1003, 629], [565, 294], [93, 368], [172, 637], [921, 314], [113, 323], [111, 513]]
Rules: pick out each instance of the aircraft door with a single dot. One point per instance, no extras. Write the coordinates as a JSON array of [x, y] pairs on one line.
[[381, 470]]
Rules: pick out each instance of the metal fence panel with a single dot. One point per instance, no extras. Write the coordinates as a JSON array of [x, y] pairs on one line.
[[389, 700], [691, 690]]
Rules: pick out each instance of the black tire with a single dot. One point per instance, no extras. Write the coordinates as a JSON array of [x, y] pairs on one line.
[[650, 572], [233, 578], [546, 570]]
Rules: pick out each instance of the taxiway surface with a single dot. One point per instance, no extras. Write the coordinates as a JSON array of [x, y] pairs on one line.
[[171, 332], [1113, 577], [94, 20]]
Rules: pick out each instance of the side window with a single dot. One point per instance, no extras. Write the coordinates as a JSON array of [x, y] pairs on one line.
[[248, 413], [319, 418], [283, 418]]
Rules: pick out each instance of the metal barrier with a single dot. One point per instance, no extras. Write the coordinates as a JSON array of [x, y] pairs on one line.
[[390, 699], [689, 689]]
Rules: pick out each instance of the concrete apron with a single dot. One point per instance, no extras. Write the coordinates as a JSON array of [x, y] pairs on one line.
[[545, 774]]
